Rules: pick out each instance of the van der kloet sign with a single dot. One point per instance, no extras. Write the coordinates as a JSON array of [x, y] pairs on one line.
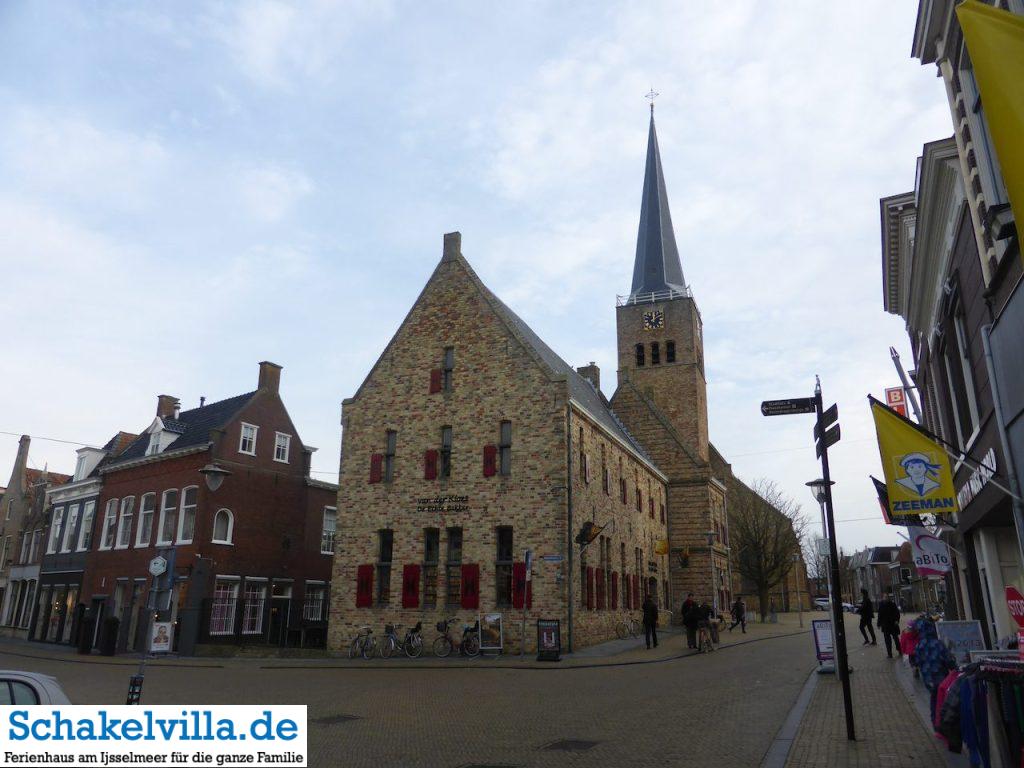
[[443, 504]]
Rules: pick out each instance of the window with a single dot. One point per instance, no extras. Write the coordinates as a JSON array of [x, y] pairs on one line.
[[605, 476], [25, 541], [583, 460], [145, 528], [187, 520], [109, 525], [585, 596], [315, 604], [505, 449], [4, 547], [223, 526], [503, 567], [655, 353], [639, 499], [961, 381], [124, 525], [247, 441], [431, 552], [447, 368], [55, 523], [622, 483], [17, 692], [37, 538], [639, 355], [168, 518], [390, 442], [446, 452], [252, 612], [85, 527], [386, 542], [330, 525], [222, 611], [282, 442], [670, 351], [453, 568], [661, 508]]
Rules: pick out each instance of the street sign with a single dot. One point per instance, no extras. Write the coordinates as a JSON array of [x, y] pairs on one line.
[[1015, 602], [552, 558], [829, 416], [158, 566], [787, 407], [831, 438]]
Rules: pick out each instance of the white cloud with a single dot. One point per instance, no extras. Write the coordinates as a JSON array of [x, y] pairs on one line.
[[271, 191]]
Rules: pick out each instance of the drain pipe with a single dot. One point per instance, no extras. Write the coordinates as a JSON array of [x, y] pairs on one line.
[[569, 529]]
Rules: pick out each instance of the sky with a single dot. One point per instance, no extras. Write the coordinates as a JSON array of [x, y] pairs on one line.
[[190, 188]]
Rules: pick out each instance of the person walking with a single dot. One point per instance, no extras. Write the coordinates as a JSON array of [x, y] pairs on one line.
[[691, 620], [739, 615], [867, 614], [688, 603], [889, 623], [650, 611]]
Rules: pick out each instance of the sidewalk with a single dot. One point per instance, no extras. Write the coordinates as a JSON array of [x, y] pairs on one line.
[[891, 733], [672, 645]]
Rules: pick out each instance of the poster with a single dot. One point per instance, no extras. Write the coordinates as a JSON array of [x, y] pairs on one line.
[[549, 640], [490, 632], [822, 631], [161, 636], [961, 637]]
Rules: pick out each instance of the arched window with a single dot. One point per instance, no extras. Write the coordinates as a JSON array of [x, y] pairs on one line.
[[223, 526]]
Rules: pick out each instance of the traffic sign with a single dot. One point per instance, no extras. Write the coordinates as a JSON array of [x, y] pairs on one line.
[[1015, 602], [158, 566], [787, 407]]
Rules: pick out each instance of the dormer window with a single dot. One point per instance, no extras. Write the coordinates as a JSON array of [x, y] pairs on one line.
[[247, 441], [80, 468]]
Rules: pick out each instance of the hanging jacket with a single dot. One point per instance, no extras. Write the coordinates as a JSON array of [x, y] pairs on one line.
[[931, 656], [949, 718], [908, 641], [974, 721]]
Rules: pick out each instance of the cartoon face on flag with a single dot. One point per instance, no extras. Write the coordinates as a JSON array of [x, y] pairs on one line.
[[920, 473]]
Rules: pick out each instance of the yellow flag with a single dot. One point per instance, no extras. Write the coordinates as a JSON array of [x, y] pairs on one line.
[[917, 473], [995, 42]]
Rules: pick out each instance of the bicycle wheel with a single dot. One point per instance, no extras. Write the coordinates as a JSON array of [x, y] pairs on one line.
[[369, 647], [471, 646], [388, 647], [414, 647], [355, 647], [634, 628], [442, 646], [622, 630]]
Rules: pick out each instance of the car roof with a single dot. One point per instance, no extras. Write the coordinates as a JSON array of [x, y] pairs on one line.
[[47, 683]]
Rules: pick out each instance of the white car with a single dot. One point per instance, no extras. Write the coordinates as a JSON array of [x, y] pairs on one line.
[[821, 603], [30, 688]]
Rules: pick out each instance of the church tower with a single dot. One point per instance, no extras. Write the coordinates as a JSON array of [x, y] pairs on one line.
[[660, 339]]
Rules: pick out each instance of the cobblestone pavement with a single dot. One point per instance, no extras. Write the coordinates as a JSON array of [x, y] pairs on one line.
[[721, 709], [890, 733]]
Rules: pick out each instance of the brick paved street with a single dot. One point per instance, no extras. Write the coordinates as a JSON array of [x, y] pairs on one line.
[[722, 709]]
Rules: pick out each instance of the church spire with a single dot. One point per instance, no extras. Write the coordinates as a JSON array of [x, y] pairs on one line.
[[657, 268]]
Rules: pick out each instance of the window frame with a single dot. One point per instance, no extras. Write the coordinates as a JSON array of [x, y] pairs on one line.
[[56, 521], [183, 507], [152, 514], [229, 539], [108, 529], [166, 509], [229, 617], [84, 538], [324, 531], [125, 516], [390, 448], [505, 448], [241, 438], [287, 446]]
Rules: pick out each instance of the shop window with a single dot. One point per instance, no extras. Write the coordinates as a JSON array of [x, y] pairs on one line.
[[446, 452], [655, 353], [431, 552], [453, 568], [639, 355], [385, 541], [505, 449], [670, 351], [503, 567]]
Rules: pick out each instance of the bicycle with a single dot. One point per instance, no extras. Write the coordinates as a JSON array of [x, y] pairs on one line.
[[470, 645], [629, 626], [411, 644], [704, 643], [363, 644]]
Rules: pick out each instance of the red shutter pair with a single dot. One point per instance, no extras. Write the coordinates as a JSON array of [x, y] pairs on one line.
[[435, 381], [376, 467], [490, 460], [471, 586], [411, 586], [590, 588], [615, 591], [430, 465], [521, 587], [364, 586]]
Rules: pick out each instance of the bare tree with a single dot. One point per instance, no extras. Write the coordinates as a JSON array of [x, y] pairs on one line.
[[767, 529]]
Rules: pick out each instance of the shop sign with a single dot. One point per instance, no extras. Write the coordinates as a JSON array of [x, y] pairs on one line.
[[931, 555], [979, 479], [549, 640], [961, 637], [1015, 602], [896, 399], [443, 504], [490, 632], [661, 547]]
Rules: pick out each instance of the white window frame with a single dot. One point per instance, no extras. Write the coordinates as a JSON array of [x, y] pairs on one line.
[[320, 605], [252, 621], [55, 524], [164, 510], [228, 619], [242, 436], [69, 526], [181, 514], [25, 542], [37, 537], [123, 538], [85, 527], [278, 443], [109, 525], [152, 512], [324, 541], [229, 539]]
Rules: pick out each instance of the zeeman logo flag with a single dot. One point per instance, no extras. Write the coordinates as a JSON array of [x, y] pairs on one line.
[[995, 42], [917, 474]]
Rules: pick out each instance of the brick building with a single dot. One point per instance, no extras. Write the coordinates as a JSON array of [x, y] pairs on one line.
[[223, 492]]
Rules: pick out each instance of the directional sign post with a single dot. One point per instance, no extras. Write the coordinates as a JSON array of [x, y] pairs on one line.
[[787, 407]]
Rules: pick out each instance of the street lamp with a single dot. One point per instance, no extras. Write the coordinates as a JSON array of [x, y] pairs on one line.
[[214, 475], [799, 599]]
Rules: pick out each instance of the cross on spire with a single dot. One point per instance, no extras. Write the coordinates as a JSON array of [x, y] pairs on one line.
[[651, 95]]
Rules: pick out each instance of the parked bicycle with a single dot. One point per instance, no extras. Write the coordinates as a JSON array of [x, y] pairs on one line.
[[411, 645], [628, 627], [468, 646], [363, 644], [704, 642]]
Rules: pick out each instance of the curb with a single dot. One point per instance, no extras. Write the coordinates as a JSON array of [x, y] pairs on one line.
[[778, 752]]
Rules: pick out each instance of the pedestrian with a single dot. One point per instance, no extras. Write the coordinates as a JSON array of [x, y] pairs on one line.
[[889, 623], [650, 610], [688, 603], [867, 614], [739, 615], [932, 658], [691, 620]]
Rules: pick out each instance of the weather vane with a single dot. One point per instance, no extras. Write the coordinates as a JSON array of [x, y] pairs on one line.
[[651, 95]]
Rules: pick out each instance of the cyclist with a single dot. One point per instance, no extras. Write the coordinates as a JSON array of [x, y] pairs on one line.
[[650, 610]]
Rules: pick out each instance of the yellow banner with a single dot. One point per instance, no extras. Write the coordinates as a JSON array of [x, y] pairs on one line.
[[995, 42], [917, 473], [661, 547]]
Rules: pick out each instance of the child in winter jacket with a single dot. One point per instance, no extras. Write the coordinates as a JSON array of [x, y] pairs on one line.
[[932, 658]]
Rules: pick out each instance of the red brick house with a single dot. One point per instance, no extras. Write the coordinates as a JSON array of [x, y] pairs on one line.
[[223, 493]]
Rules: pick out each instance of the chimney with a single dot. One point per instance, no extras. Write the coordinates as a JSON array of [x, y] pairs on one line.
[[452, 246], [202, 401], [270, 376], [177, 409], [591, 373], [165, 406]]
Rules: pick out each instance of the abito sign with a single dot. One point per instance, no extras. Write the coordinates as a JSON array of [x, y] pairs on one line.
[[1015, 602]]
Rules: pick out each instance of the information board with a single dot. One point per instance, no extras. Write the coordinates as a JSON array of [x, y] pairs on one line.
[[822, 631], [549, 640], [961, 637]]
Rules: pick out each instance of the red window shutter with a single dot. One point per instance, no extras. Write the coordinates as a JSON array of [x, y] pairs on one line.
[[411, 586], [590, 588], [471, 586], [626, 602], [518, 585], [364, 586], [376, 465], [435, 381], [490, 460], [430, 465], [615, 591]]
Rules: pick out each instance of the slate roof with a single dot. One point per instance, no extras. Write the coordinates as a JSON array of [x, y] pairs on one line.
[[193, 427], [657, 268]]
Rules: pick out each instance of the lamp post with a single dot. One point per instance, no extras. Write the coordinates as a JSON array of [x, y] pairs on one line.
[[799, 599], [711, 558], [818, 492]]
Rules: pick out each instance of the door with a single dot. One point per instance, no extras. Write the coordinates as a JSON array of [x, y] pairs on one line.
[[280, 612]]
